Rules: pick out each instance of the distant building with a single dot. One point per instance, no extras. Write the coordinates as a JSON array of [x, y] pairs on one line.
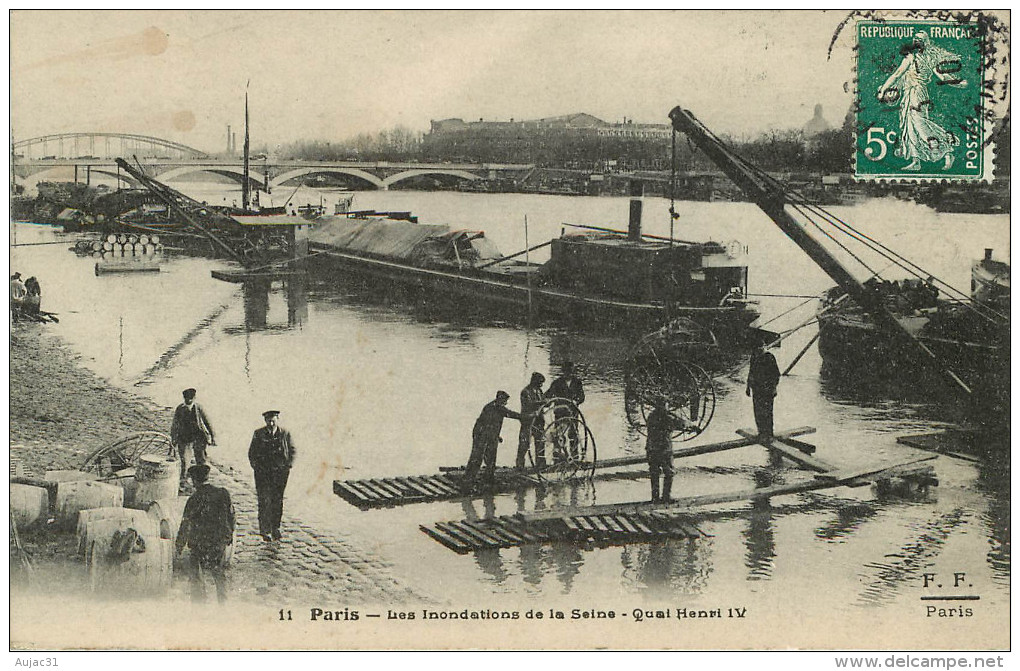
[[576, 140], [817, 124]]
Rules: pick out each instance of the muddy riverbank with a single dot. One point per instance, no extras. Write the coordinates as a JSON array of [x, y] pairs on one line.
[[61, 411]]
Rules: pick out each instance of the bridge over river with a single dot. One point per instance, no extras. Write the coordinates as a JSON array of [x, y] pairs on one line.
[[76, 156]]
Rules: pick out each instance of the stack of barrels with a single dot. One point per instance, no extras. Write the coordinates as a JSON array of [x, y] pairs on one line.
[[117, 245]]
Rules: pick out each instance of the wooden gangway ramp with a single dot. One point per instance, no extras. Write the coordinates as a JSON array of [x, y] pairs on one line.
[[513, 530], [620, 523], [367, 494]]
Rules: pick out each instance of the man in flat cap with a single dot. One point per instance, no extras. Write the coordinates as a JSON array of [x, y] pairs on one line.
[[485, 439], [207, 527], [191, 432], [271, 456]]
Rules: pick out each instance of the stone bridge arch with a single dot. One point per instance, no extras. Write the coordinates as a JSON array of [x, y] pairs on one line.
[[353, 172], [417, 172], [238, 177]]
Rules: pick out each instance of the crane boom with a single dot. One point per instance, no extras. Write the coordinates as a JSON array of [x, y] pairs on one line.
[[772, 200]]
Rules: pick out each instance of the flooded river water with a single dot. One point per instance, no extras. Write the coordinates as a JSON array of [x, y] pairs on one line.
[[374, 388]]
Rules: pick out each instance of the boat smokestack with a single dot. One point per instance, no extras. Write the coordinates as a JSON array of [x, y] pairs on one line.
[[988, 253], [230, 148], [637, 191]]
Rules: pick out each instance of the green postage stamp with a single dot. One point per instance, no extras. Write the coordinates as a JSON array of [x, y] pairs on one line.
[[920, 102]]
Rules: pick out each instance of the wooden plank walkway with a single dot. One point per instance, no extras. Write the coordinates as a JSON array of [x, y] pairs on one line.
[[398, 491], [516, 530]]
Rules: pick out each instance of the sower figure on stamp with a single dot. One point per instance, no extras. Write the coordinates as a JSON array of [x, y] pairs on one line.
[[271, 456], [190, 432], [762, 381], [567, 386], [485, 440], [207, 528], [921, 138], [532, 423], [659, 447]]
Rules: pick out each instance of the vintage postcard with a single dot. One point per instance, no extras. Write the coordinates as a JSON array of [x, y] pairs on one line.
[[511, 330]]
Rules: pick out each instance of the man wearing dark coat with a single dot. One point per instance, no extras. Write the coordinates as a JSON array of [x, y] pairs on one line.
[[191, 432], [659, 448], [271, 456], [532, 423], [207, 528], [485, 439], [762, 381], [568, 386]]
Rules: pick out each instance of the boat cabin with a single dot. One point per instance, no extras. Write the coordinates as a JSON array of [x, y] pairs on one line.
[[647, 270]]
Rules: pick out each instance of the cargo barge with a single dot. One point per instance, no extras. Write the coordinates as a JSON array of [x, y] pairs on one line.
[[597, 276]]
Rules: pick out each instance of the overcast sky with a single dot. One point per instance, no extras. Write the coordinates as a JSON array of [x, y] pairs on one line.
[[330, 75]]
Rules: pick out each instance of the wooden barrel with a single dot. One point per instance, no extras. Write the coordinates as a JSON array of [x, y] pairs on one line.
[[158, 478], [89, 527], [73, 497], [70, 476], [111, 238], [108, 246], [97, 245], [147, 250], [167, 515], [125, 479], [121, 238], [132, 239], [143, 239], [29, 504], [142, 566], [154, 239]]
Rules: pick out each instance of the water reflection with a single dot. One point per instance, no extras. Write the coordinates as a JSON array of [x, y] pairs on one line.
[[256, 304], [489, 560], [297, 300], [903, 566], [760, 541], [667, 567]]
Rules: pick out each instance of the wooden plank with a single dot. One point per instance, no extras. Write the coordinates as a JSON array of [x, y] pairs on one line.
[[492, 533], [418, 489], [641, 526], [453, 485], [378, 491], [343, 490], [499, 525], [391, 491], [585, 525], [572, 525], [689, 530], [793, 454], [531, 532], [598, 525], [627, 525], [688, 502], [459, 535], [369, 493], [859, 473], [437, 484], [480, 538], [432, 489], [612, 524], [402, 486], [449, 541], [521, 529], [806, 448], [707, 448]]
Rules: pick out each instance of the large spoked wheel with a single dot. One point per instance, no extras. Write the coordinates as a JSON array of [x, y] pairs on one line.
[[687, 389], [570, 452], [125, 452]]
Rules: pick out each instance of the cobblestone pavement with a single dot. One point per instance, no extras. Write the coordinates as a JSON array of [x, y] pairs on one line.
[[61, 412]]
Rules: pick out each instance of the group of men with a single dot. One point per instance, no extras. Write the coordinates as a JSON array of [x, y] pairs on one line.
[[26, 296], [485, 437], [207, 526]]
